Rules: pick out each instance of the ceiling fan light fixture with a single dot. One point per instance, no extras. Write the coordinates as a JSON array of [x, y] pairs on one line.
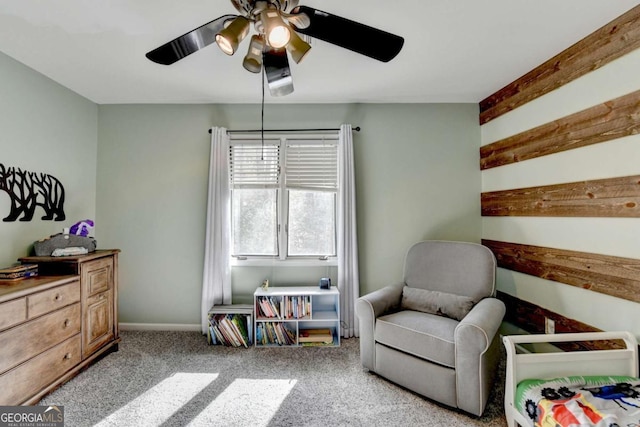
[[299, 20], [253, 60], [230, 37], [277, 32], [297, 47]]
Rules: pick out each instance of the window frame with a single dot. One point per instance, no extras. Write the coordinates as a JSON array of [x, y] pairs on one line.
[[282, 203]]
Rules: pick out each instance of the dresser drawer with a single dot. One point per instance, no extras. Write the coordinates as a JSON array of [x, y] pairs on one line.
[[27, 340], [52, 299], [97, 276], [29, 378], [13, 312]]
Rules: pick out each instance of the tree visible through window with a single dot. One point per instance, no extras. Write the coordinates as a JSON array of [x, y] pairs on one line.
[[312, 223], [255, 224], [284, 197]]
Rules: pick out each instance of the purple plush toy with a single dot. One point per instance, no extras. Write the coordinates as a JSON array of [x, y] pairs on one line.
[[81, 228]]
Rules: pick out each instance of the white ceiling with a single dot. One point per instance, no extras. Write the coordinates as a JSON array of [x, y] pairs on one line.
[[455, 50]]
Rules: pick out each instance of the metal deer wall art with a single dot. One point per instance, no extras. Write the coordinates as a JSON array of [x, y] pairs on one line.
[[28, 190]]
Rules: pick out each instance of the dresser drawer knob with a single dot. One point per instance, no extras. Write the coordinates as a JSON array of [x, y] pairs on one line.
[[67, 356], [58, 297], [67, 322]]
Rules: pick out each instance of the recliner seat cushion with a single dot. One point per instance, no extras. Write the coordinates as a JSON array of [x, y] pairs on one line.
[[424, 335]]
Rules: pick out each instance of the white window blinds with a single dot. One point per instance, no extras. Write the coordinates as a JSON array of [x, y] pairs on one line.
[[252, 164], [311, 165]]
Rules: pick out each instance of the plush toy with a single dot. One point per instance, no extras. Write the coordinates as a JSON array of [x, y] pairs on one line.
[[81, 228]]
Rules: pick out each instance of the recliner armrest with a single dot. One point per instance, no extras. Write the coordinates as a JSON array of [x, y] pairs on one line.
[[473, 337], [380, 302], [486, 317], [370, 307]]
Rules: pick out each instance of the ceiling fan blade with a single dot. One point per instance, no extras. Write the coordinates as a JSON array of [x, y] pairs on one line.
[[188, 43], [360, 38], [276, 67]]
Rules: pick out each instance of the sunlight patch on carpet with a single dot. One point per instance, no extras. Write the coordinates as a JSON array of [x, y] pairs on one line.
[[159, 403], [246, 402]]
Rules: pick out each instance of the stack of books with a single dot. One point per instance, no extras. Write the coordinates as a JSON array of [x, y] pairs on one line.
[[18, 272], [315, 336]]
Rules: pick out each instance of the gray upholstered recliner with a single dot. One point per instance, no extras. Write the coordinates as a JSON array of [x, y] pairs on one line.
[[436, 355]]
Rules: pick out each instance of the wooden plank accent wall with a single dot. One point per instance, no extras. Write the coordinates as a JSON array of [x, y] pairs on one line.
[[531, 318], [610, 42], [615, 276], [603, 194], [613, 119], [612, 197]]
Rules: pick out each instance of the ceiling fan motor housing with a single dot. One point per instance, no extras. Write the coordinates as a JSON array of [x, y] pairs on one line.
[[251, 8]]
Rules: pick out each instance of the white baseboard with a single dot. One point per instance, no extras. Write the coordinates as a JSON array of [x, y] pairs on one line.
[[159, 327]]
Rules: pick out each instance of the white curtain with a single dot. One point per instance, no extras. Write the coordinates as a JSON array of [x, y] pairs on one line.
[[348, 277], [216, 279]]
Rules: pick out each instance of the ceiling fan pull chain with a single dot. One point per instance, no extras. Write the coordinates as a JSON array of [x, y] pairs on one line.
[[262, 76]]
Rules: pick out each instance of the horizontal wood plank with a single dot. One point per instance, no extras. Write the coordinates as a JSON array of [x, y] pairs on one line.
[[612, 197], [615, 276], [617, 38], [531, 318], [613, 119]]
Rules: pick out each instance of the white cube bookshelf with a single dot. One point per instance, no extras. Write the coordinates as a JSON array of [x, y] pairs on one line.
[[296, 316]]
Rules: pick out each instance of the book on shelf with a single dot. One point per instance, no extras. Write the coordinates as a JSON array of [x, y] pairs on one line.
[[317, 344], [291, 336], [212, 335], [259, 335], [249, 329], [271, 334], [219, 338], [274, 307], [279, 336], [239, 323], [233, 332], [315, 336]]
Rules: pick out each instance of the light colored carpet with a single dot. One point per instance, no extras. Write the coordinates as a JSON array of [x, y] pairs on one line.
[[176, 379]]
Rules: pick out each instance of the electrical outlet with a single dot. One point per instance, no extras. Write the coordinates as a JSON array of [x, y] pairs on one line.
[[549, 326]]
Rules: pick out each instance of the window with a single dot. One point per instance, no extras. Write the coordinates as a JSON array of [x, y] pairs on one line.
[[283, 196]]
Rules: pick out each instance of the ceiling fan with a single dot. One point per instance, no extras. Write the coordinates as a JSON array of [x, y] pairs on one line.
[[277, 24]]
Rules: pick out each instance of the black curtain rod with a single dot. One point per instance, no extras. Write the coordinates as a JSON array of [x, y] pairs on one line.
[[357, 129]]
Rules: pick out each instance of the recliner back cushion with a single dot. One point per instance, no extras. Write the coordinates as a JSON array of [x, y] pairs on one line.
[[435, 302], [454, 267]]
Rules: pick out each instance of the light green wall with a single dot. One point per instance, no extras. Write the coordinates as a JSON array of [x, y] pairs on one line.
[[417, 177], [45, 127]]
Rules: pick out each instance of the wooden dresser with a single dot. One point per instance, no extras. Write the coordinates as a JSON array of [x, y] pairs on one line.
[[53, 325]]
